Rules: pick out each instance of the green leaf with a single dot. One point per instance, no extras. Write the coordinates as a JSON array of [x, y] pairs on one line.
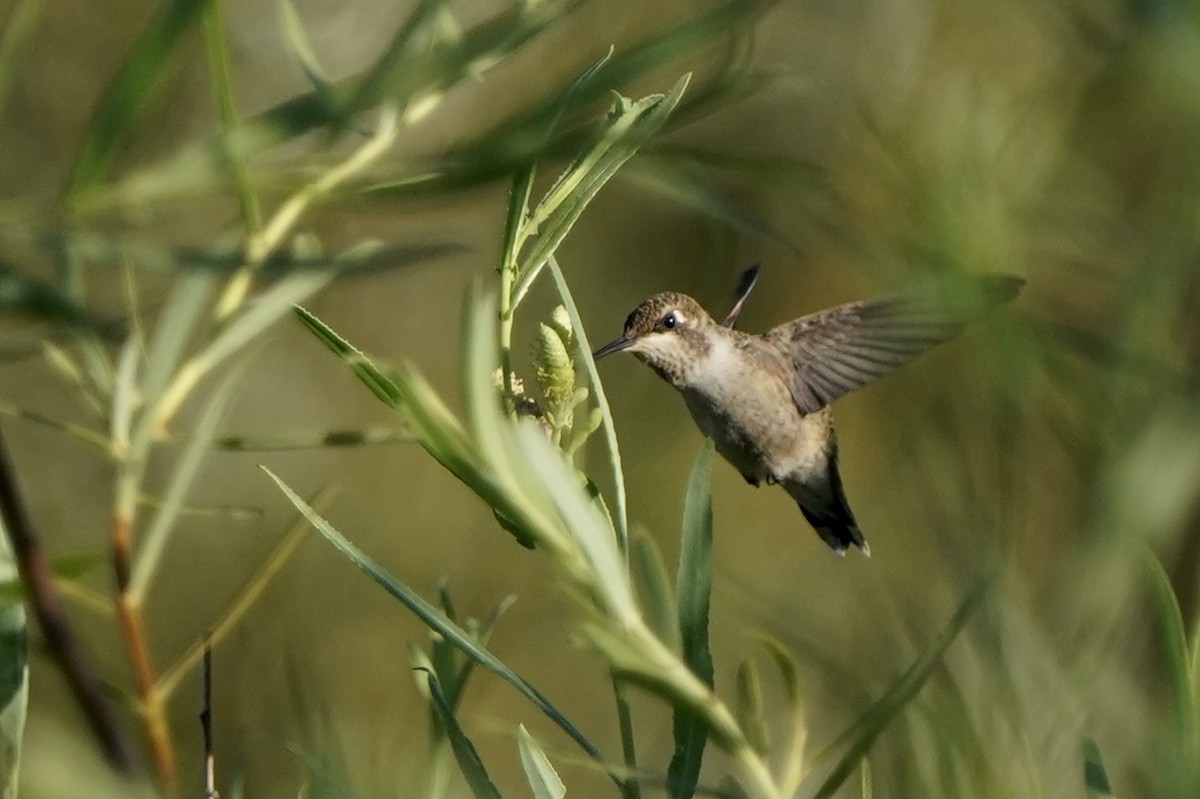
[[372, 377], [543, 779], [431, 616], [14, 678], [464, 751], [750, 706], [651, 574], [1095, 778], [856, 740], [129, 95], [1169, 617], [626, 129], [610, 429], [693, 587], [297, 38]]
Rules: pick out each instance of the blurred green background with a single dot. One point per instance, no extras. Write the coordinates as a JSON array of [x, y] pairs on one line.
[[862, 147]]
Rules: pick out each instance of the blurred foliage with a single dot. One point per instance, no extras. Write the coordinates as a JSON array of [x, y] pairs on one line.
[[177, 174]]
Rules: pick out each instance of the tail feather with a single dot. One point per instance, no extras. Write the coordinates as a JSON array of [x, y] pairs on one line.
[[823, 503]]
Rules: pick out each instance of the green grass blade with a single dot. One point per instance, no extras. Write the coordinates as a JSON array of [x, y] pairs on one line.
[[134, 86], [693, 588], [542, 777], [858, 738], [464, 751], [432, 617], [1095, 777]]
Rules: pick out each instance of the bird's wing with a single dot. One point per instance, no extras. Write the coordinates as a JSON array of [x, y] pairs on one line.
[[836, 351]]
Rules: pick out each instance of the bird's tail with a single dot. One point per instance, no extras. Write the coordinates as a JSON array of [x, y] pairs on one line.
[[827, 510]]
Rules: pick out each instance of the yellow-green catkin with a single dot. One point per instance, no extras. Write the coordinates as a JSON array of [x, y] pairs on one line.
[[555, 367]]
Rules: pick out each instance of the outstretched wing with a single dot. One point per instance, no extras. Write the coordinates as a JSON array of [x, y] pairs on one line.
[[836, 351]]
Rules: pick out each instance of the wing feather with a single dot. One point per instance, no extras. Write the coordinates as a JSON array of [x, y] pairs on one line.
[[836, 351]]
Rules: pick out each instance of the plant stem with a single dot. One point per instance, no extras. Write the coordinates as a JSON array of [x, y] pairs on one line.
[[64, 646], [518, 202], [133, 629]]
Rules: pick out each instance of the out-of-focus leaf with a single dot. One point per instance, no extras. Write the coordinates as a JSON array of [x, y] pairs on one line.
[[398, 79], [518, 141], [651, 573], [70, 567], [14, 678], [856, 740], [464, 751], [543, 779], [693, 588], [22, 21], [23, 295], [1177, 653], [134, 86], [431, 616], [1095, 778], [297, 38], [750, 706]]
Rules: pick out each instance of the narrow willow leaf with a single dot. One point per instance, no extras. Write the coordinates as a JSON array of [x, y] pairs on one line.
[[200, 167], [651, 574], [856, 740], [298, 40], [26, 296], [431, 616], [543, 779], [1095, 778], [14, 677], [22, 21], [750, 706], [610, 428], [629, 127], [464, 751], [693, 587], [1169, 617], [584, 521], [139, 78], [372, 377]]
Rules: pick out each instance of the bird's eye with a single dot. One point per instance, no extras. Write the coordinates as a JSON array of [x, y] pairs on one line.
[[669, 321]]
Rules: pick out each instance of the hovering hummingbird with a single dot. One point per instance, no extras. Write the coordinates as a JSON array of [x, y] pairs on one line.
[[764, 399]]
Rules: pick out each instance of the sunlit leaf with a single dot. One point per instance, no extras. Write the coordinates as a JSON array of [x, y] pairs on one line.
[[542, 777]]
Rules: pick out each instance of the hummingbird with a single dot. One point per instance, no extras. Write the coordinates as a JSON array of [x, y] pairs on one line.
[[764, 399]]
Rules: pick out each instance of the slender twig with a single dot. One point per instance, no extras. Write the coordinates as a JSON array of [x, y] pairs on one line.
[[64, 646]]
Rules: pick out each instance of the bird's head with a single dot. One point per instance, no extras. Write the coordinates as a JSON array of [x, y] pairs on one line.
[[668, 333]]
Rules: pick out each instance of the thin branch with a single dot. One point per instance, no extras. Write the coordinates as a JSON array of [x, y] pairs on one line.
[[64, 646]]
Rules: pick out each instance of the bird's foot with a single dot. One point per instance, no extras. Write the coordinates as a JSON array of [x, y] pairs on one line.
[[751, 480]]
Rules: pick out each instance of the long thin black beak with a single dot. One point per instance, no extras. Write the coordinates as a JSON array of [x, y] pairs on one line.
[[611, 347]]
